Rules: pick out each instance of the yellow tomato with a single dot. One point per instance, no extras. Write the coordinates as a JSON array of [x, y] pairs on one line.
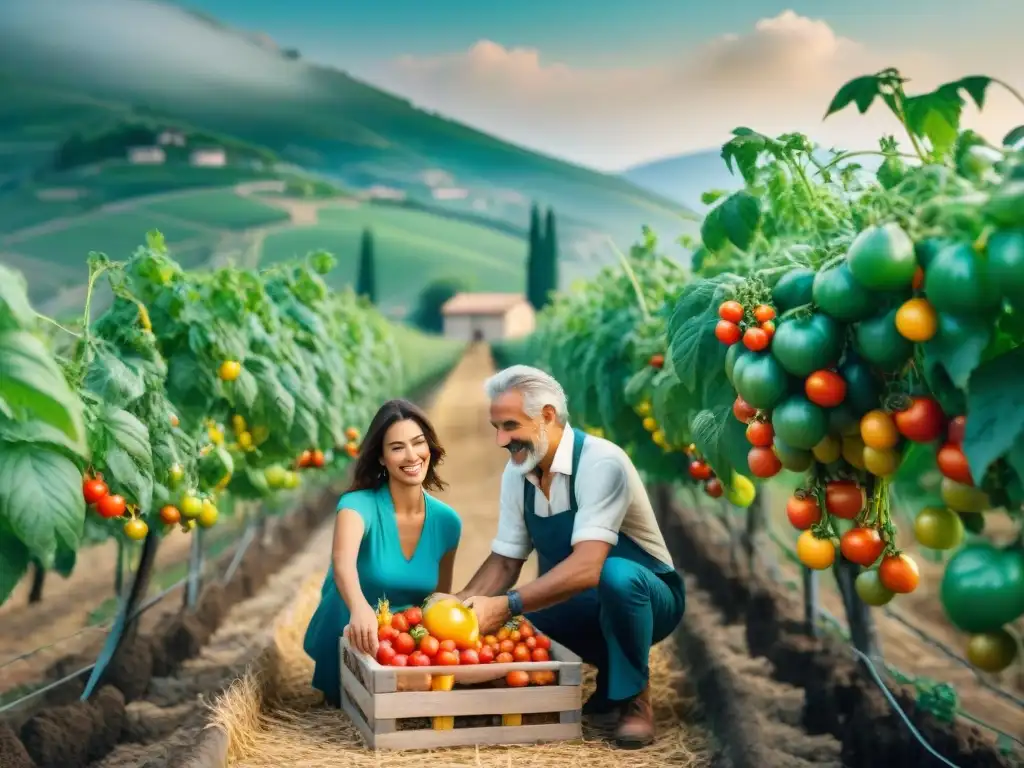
[[449, 619], [245, 441], [917, 320], [881, 462], [659, 438], [191, 506], [878, 430], [817, 554], [828, 450], [230, 370], [208, 515], [644, 409], [650, 424], [741, 491], [238, 423], [216, 435], [136, 529]]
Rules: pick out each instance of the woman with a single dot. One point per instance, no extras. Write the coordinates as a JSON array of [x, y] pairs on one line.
[[392, 539]]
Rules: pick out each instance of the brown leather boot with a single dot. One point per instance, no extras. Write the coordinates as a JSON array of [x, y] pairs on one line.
[[636, 725]]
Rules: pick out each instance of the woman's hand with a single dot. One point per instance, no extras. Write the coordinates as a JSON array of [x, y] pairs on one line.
[[362, 629]]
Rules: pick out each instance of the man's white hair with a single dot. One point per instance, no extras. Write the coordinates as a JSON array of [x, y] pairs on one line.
[[537, 388]]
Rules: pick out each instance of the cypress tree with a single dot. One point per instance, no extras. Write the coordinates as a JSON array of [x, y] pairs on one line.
[[534, 256], [366, 280], [549, 263]]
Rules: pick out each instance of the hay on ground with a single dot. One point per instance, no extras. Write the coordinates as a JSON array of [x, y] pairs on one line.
[[273, 717]]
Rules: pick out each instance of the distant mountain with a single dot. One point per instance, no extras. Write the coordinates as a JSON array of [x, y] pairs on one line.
[[683, 178], [108, 59]]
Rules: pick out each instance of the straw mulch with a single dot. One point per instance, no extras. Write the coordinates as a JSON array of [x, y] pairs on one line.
[[274, 718]]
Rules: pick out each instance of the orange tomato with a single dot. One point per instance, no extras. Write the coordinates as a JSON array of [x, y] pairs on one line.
[[517, 679], [542, 677], [506, 646], [817, 554], [899, 573], [878, 430], [504, 658], [540, 654], [521, 653]]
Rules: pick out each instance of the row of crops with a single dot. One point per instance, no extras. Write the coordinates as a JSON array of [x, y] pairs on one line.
[[188, 388], [862, 328]]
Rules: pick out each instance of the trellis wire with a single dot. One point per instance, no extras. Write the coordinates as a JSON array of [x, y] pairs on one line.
[[240, 550]]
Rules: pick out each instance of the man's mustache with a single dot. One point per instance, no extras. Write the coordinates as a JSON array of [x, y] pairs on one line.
[[518, 445]]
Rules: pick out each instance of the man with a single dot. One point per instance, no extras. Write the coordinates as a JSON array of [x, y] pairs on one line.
[[607, 588]]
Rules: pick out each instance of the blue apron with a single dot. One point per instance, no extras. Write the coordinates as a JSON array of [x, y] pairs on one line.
[[638, 602]]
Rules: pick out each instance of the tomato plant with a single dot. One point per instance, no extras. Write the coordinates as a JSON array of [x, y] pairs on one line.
[[134, 421], [895, 351]]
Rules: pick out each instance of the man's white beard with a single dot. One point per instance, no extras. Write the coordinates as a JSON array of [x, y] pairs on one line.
[[533, 456]]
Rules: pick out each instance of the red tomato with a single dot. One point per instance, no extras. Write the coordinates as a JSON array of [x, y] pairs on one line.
[[825, 388], [760, 433], [469, 656], [899, 573], [712, 488], [844, 498], [504, 658], [526, 629], [540, 654], [316, 459], [727, 333], [543, 641], [419, 659], [507, 646], [486, 655], [447, 658], [413, 615], [922, 422], [400, 660], [763, 462], [755, 339], [93, 490], [862, 546], [731, 311], [769, 328], [399, 622], [430, 646], [385, 654], [953, 464], [530, 642], [111, 506], [743, 411], [763, 313], [957, 428], [517, 679], [387, 632], [699, 470], [447, 645], [404, 643], [657, 361], [521, 653], [803, 513]]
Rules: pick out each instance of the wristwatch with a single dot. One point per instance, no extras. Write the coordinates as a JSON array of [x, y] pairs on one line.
[[515, 602]]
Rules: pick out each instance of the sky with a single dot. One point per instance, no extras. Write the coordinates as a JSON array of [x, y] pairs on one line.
[[610, 84]]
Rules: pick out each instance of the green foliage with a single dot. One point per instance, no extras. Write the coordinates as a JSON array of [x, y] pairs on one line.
[[906, 286], [366, 280], [542, 259], [427, 314], [140, 395]]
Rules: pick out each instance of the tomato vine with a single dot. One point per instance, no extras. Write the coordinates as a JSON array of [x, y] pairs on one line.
[[863, 327], [189, 385]]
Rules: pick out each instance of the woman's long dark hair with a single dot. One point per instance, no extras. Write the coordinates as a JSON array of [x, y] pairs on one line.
[[368, 473]]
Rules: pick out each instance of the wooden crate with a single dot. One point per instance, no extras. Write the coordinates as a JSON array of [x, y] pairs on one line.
[[393, 707]]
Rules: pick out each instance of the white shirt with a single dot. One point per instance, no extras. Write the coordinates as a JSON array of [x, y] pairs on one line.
[[610, 496]]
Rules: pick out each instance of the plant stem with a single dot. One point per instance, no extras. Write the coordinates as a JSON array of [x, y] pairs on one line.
[[1013, 91], [862, 153], [632, 278], [53, 322]]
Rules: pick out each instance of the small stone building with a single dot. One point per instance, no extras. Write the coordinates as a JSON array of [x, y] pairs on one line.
[[487, 316]]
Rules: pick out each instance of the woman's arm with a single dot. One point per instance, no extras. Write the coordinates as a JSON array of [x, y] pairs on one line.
[[445, 571], [348, 534]]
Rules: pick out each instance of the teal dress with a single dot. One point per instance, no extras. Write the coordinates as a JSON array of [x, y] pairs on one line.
[[384, 572]]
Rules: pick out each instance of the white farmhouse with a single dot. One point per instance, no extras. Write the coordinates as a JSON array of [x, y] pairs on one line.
[[487, 316]]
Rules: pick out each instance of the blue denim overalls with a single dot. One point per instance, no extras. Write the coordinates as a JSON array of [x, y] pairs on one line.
[[638, 602]]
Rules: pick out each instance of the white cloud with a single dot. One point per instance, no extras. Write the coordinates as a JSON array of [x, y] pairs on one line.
[[777, 77]]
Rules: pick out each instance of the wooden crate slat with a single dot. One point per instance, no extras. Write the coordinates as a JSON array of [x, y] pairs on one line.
[[530, 700], [488, 736]]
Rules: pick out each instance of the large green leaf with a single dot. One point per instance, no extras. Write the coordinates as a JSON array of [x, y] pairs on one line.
[[33, 387], [12, 431], [41, 499], [112, 380], [191, 386], [126, 454], [995, 419], [14, 561], [15, 310]]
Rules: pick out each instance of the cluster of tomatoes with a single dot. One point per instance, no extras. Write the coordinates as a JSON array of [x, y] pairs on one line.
[[111, 505], [311, 459], [701, 471], [755, 332], [404, 642], [191, 510]]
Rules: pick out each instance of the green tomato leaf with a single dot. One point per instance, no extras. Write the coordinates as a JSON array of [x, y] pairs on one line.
[[694, 350], [126, 454], [64, 561], [14, 561], [936, 116], [15, 310], [40, 432], [721, 440], [191, 386], [112, 380], [974, 85], [243, 391], [994, 419], [860, 91], [712, 230], [1014, 136], [41, 499], [957, 347], [740, 215], [33, 387]]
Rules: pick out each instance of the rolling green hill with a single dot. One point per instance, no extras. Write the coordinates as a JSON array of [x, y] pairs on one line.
[[144, 59]]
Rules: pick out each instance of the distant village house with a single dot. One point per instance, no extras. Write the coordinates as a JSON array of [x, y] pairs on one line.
[[213, 157], [487, 316], [146, 156], [171, 138]]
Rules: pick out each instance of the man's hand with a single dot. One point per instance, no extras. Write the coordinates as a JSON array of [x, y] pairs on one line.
[[491, 612]]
